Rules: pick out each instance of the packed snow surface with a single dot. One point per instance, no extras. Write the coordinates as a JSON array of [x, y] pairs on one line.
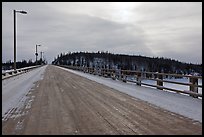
[[14, 89], [172, 101]]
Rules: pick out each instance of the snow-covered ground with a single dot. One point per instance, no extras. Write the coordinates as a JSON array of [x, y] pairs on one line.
[[174, 102], [15, 89]]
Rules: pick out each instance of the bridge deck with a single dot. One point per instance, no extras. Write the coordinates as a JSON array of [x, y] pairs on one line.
[[65, 103]]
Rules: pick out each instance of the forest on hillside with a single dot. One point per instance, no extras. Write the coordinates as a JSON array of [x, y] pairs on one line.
[[108, 60], [21, 64]]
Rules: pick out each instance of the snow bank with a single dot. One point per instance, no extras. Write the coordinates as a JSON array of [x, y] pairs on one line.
[[14, 89], [174, 102]]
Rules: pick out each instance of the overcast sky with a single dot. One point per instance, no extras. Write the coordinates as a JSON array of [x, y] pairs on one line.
[[153, 29]]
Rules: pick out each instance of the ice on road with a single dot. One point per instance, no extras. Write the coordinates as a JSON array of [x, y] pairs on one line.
[[14, 89]]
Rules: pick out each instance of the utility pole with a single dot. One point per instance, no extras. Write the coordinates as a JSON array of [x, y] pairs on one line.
[[14, 14], [41, 56], [36, 54]]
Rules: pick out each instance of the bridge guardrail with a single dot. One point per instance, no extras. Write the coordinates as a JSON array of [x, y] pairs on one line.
[[139, 76], [11, 73]]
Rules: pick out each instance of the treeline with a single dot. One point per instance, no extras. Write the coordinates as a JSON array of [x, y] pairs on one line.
[[126, 62], [21, 64]]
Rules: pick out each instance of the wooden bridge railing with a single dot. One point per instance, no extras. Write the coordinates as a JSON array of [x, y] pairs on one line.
[[139, 76]]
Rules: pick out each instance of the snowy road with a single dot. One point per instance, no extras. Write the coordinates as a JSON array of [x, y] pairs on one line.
[[65, 103], [15, 89], [174, 102]]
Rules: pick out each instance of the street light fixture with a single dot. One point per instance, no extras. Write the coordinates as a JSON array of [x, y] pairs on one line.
[[23, 12], [14, 12]]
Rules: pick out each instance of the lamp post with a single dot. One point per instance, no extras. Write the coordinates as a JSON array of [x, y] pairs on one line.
[[14, 12], [41, 56], [36, 53]]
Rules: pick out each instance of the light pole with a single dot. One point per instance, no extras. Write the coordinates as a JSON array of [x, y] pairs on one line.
[[41, 56], [14, 12], [36, 53]]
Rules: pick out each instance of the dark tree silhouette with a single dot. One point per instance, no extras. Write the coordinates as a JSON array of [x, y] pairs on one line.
[[108, 60]]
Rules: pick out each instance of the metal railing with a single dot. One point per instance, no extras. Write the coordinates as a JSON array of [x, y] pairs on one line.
[[11, 73], [139, 76]]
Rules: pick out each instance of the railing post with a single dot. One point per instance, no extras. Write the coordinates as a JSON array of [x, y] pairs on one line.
[[159, 83], [143, 74], [119, 74], [102, 72], [85, 69], [113, 75], [193, 87], [89, 70], [124, 77], [139, 78], [94, 71]]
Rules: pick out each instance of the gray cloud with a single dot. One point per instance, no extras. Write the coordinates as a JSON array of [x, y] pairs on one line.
[[173, 29], [153, 33]]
